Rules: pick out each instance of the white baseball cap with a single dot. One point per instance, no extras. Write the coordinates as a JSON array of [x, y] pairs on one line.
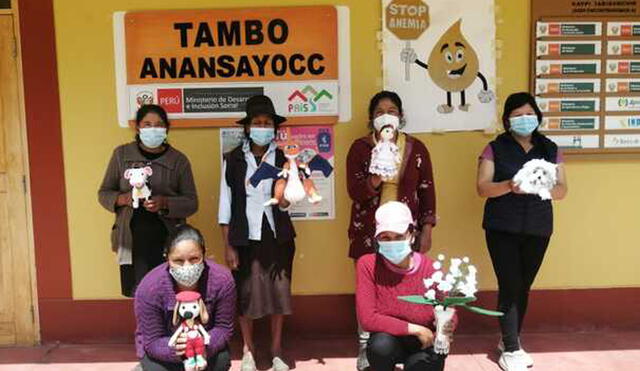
[[393, 216]]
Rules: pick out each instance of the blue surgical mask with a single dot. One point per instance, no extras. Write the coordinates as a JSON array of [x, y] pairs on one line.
[[153, 137], [524, 125], [262, 136], [394, 251]]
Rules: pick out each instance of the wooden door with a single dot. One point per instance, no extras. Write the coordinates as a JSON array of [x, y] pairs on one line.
[[17, 316]]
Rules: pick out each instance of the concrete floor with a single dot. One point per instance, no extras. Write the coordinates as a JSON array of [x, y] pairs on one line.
[[562, 352]]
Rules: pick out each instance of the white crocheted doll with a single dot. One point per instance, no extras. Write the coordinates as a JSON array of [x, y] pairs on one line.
[[385, 156]]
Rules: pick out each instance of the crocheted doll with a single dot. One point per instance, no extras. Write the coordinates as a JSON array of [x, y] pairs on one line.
[[385, 156]]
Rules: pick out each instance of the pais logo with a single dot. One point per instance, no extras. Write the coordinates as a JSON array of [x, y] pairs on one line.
[[144, 97], [309, 99]]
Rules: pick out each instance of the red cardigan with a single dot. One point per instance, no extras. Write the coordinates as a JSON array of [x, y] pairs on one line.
[[377, 291], [415, 188]]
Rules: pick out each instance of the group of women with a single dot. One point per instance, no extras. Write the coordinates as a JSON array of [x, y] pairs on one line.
[[389, 238]]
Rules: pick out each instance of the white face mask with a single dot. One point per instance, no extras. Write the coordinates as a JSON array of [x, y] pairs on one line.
[[386, 119], [187, 275], [395, 251], [153, 137]]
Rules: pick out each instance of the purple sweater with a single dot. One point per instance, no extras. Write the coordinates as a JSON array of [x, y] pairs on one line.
[[156, 298]]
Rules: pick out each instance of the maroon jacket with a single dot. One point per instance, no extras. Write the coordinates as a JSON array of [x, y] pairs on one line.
[[415, 188]]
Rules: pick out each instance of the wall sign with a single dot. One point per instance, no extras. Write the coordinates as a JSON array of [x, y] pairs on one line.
[[585, 73], [203, 65]]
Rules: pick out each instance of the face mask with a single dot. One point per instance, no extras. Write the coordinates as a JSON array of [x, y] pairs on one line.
[[394, 251], [187, 275], [262, 136], [524, 125], [386, 119], [153, 137]]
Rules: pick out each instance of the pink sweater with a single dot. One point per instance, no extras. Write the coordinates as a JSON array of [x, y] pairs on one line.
[[378, 286]]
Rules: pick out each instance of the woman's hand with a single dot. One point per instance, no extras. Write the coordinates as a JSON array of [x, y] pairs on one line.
[[181, 344], [375, 180], [155, 204], [231, 257], [124, 199], [425, 238], [515, 188], [423, 334]]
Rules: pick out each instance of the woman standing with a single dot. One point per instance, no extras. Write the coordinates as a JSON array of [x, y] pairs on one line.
[[517, 226], [186, 269], [139, 234], [413, 185], [259, 239]]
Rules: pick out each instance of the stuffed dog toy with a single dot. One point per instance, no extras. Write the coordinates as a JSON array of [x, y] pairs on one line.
[[137, 177], [537, 177], [190, 312]]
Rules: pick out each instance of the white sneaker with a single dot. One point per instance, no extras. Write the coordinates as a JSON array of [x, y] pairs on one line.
[[362, 363], [511, 361], [526, 357], [248, 363], [279, 365]]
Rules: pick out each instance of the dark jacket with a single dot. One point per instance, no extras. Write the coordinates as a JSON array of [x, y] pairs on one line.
[[415, 188], [171, 177], [518, 213], [238, 225]]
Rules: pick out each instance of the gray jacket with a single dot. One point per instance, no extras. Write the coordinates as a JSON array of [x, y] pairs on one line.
[[171, 177]]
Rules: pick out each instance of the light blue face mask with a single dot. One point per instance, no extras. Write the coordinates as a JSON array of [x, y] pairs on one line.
[[153, 137], [524, 125], [262, 136], [394, 251]]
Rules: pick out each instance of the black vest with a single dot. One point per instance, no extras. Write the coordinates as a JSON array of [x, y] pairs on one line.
[[238, 225], [525, 214]]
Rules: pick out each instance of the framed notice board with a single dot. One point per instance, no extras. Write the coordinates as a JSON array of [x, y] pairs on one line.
[[585, 73]]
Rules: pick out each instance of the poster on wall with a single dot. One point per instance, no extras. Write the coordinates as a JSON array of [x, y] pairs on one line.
[[319, 140], [585, 73], [439, 56], [202, 65]]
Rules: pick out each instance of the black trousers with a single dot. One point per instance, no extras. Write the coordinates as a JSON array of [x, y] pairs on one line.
[[149, 236], [384, 351], [217, 362], [516, 260]]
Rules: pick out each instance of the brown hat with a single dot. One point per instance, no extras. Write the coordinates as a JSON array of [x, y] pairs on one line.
[[260, 105]]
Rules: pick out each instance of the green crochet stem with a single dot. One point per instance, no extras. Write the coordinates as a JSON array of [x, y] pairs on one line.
[[456, 301]]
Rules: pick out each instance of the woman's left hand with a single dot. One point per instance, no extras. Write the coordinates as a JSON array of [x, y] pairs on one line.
[[155, 204], [181, 345], [425, 238]]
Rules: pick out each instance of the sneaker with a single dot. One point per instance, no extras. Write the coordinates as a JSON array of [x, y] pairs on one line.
[[362, 363], [528, 360], [279, 365], [511, 361], [248, 363]]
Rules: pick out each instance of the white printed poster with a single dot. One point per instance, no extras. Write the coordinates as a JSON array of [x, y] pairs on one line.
[[439, 56], [318, 139]]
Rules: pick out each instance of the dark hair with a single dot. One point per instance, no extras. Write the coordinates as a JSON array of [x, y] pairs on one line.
[[186, 232], [385, 94], [515, 101], [152, 108]]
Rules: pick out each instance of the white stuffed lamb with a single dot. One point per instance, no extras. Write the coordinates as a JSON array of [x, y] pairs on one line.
[[137, 177], [537, 177]]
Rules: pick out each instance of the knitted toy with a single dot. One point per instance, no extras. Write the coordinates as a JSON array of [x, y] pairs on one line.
[[537, 177], [296, 172], [189, 306], [385, 156], [137, 177]]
